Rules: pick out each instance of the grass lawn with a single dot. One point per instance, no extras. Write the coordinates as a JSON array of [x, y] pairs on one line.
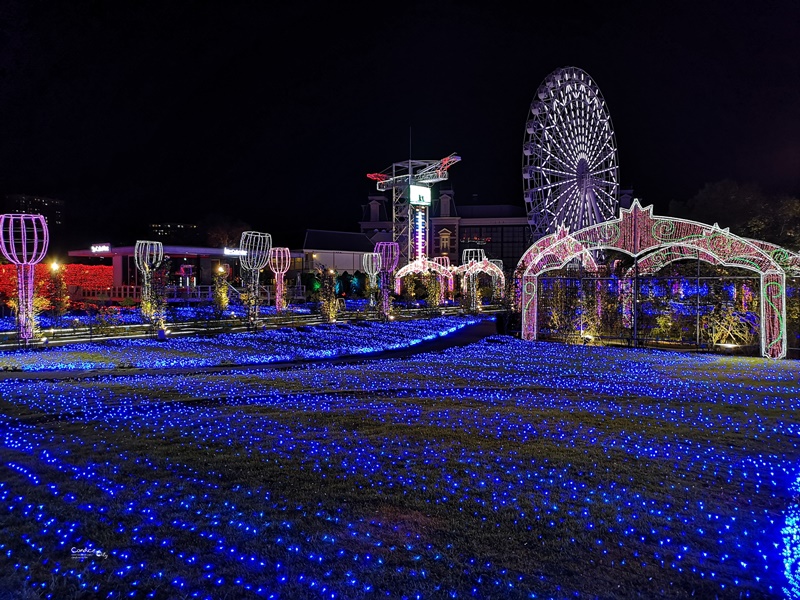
[[503, 469]]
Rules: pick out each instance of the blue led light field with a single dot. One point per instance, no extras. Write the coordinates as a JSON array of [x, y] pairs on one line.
[[264, 347], [503, 469]]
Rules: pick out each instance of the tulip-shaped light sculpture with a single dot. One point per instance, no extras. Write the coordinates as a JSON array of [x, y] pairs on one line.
[[444, 262], [256, 246], [371, 262], [23, 240], [389, 253], [279, 261], [148, 257]]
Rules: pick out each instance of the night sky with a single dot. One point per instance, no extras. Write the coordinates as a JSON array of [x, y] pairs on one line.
[[184, 111]]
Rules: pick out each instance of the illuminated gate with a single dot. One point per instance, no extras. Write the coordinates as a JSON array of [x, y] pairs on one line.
[[656, 241]]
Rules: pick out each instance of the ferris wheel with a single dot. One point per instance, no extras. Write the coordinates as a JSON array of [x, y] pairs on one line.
[[569, 156]]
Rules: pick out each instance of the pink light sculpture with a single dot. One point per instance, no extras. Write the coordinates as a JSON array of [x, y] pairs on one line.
[[23, 240], [390, 254], [444, 262], [279, 261]]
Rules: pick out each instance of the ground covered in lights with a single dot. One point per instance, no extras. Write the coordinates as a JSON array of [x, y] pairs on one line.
[[502, 469], [267, 346]]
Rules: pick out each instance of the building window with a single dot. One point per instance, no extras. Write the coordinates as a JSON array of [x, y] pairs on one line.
[[444, 242]]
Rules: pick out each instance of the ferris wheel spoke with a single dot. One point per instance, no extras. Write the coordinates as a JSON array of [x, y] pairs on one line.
[[562, 143], [549, 186], [608, 156], [552, 171], [608, 201], [600, 141], [611, 169], [567, 192]]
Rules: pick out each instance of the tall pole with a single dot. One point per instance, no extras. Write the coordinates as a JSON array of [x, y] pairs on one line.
[[635, 285], [636, 301], [697, 306]]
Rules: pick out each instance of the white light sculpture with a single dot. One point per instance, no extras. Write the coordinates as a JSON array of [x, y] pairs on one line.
[[279, 261], [256, 246], [371, 262], [23, 240], [470, 270], [148, 256], [469, 255]]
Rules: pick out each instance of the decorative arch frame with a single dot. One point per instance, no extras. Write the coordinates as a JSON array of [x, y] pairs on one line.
[[640, 234], [486, 266], [423, 265]]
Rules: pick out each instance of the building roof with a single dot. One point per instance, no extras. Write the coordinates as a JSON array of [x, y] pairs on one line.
[[107, 250], [488, 211], [320, 239], [383, 209]]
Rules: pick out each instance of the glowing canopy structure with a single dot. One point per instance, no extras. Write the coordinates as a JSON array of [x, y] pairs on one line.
[[474, 262], [23, 240], [148, 257], [371, 262], [390, 254], [256, 246], [425, 266], [279, 260], [655, 241]]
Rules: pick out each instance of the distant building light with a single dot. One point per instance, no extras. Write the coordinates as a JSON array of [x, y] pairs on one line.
[[101, 247], [234, 252]]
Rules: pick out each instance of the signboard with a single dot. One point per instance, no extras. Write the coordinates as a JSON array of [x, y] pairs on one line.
[[234, 252], [101, 247], [419, 195]]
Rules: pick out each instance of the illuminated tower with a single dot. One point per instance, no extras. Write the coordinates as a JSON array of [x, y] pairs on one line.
[[411, 182]]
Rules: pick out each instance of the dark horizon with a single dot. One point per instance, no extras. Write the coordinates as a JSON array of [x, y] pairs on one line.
[[137, 112]]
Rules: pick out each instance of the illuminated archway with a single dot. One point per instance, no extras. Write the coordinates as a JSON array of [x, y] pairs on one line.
[[423, 265], [640, 234]]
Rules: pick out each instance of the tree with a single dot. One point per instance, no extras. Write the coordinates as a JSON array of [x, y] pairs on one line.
[[221, 299], [728, 203], [746, 210], [224, 232]]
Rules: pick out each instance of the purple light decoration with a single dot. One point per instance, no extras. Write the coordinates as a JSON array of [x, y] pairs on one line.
[[444, 262], [390, 254], [23, 240], [279, 260]]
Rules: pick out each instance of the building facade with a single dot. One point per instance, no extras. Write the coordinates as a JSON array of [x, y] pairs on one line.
[[338, 250], [501, 230], [51, 209]]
